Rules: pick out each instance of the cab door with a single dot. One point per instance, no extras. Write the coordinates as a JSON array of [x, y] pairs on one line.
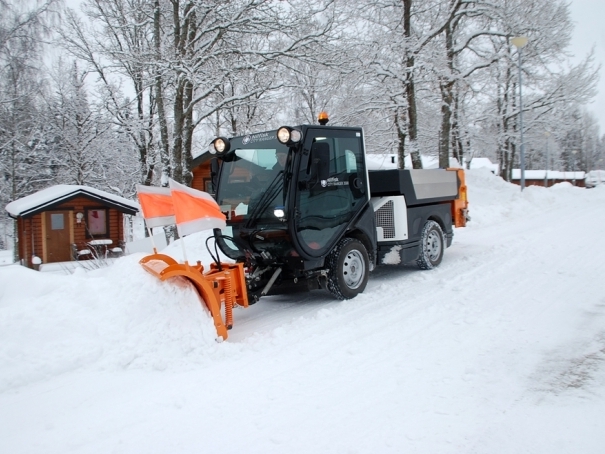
[[325, 207]]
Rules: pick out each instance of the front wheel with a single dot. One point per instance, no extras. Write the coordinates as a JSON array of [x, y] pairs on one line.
[[431, 246], [348, 265]]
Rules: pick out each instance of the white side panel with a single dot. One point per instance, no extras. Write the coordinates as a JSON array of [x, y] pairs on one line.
[[434, 183], [391, 218]]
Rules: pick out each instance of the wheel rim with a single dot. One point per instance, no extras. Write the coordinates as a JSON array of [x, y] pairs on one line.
[[433, 245], [353, 269]]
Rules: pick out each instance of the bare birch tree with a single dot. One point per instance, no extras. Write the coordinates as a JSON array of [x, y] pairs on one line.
[[115, 41]]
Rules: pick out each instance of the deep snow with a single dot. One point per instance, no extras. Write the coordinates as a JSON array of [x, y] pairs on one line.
[[499, 350]]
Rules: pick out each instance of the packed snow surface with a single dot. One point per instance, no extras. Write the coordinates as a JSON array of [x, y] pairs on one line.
[[501, 349]]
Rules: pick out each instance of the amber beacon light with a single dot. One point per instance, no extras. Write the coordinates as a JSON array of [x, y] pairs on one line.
[[322, 118]]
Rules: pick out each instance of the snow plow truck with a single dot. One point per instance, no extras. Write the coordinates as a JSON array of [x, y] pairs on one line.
[[304, 212]]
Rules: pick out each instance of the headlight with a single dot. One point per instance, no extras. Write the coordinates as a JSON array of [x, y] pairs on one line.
[[279, 212]]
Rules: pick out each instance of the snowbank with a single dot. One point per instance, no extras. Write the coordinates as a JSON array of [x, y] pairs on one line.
[[113, 318], [122, 317]]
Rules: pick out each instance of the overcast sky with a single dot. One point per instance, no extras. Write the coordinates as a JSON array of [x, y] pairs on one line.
[[589, 18]]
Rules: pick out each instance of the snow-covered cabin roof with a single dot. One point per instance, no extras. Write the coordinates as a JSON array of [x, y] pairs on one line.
[[54, 195], [201, 158], [549, 174]]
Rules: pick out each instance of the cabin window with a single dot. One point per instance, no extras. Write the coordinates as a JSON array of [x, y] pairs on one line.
[[208, 186], [96, 222], [57, 222]]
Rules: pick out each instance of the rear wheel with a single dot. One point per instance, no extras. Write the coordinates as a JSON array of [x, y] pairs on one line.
[[348, 266], [431, 246]]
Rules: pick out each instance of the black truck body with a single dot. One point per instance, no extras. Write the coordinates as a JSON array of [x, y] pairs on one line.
[[320, 217]]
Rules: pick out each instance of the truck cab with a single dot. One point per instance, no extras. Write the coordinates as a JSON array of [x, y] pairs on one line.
[[291, 217]]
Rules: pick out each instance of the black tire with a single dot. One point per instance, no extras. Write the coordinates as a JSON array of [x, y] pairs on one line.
[[349, 267], [432, 245]]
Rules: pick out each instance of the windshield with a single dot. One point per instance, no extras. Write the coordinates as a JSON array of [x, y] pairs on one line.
[[251, 186]]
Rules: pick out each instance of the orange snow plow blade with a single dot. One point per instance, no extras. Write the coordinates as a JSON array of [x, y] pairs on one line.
[[218, 288], [460, 204]]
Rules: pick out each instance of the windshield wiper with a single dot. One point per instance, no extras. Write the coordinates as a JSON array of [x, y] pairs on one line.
[[267, 198]]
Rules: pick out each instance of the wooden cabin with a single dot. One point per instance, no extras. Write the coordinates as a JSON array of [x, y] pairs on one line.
[[548, 178], [68, 222], [201, 173]]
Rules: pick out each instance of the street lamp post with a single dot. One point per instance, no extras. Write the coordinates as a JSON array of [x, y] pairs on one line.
[[519, 42], [547, 133]]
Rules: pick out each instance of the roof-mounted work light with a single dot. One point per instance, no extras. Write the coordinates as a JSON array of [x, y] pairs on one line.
[[219, 145], [288, 136]]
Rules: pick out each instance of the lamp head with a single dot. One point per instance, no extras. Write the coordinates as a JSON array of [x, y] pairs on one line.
[[519, 41]]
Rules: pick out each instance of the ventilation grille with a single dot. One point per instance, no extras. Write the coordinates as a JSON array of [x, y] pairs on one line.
[[385, 218]]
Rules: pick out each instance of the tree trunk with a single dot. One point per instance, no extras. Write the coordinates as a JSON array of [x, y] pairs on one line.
[[411, 89], [141, 141], [456, 138], [188, 104], [188, 137], [400, 143], [446, 124], [14, 197], [177, 133], [446, 87], [164, 149]]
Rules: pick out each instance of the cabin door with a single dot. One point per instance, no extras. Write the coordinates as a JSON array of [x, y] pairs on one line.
[[58, 246]]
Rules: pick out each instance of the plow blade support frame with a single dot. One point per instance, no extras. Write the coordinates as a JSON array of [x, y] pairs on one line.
[[217, 287]]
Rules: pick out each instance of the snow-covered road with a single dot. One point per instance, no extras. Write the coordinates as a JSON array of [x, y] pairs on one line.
[[499, 350]]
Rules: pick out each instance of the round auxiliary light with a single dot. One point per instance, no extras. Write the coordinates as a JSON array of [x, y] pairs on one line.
[[295, 135], [283, 134], [219, 145]]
